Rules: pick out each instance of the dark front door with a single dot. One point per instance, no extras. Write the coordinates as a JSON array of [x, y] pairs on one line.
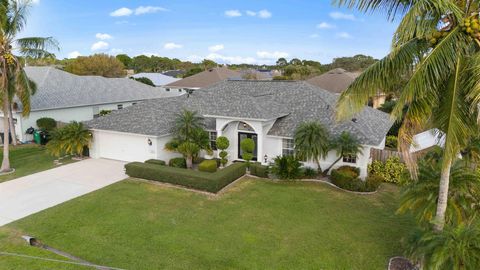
[[242, 136]]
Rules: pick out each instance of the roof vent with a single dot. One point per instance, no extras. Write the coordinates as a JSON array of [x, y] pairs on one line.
[[354, 120]]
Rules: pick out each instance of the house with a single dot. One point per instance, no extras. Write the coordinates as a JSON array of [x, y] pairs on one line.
[[266, 111], [338, 80], [158, 79], [174, 73], [66, 97], [203, 79]]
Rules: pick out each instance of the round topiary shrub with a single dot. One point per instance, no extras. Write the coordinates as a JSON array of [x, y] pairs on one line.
[[46, 123], [208, 165]]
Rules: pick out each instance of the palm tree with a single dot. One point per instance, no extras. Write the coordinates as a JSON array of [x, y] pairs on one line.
[[346, 145], [70, 139], [455, 248], [311, 142], [437, 46], [189, 136], [13, 80], [420, 197]]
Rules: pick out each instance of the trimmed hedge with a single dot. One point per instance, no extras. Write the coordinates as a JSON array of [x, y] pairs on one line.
[[156, 161], [178, 162], [208, 165], [347, 180], [211, 182], [259, 170]]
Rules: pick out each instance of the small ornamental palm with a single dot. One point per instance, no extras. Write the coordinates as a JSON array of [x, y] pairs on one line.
[[437, 47], [346, 145], [311, 142], [70, 139]]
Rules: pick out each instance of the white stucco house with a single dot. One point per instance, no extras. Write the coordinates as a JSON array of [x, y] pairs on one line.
[[266, 111], [66, 97]]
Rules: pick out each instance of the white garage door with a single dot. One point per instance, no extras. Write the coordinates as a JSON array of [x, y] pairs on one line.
[[123, 147]]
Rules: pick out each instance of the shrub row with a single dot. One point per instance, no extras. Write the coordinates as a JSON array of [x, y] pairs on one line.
[[259, 170], [347, 178], [391, 171], [211, 182], [156, 161], [178, 162]]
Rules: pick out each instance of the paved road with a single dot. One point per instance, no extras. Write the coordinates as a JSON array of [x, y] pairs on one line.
[[33, 193]]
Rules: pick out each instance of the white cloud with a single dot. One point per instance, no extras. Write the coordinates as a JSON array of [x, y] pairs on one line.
[[35, 2], [121, 12], [172, 46], [342, 16], [325, 25], [233, 13], [344, 35], [195, 58], [251, 13], [99, 46], [103, 36], [216, 48], [74, 54], [115, 51], [231, 59], [264, 14], [148, 9], [314, 36], [271, 55]]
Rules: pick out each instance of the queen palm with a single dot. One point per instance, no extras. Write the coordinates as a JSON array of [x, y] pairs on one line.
[[311, 142], [439, 52], [346, 145], [13, 80]]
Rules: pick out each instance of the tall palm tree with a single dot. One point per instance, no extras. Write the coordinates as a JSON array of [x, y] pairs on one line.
[[345, 144], [436, 44], [420, 197], [13, 80], [311, 142]]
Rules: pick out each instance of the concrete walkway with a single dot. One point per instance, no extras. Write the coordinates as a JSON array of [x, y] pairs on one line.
[[33, 193]]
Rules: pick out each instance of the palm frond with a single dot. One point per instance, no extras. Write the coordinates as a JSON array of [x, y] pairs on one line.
[[37, 47], [392, 8]]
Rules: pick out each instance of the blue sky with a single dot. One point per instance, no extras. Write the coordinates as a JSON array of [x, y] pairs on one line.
[[228, 31]]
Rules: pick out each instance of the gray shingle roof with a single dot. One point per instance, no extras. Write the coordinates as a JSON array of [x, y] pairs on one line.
[[157, 78], [336, 80], [206, 78], [291, 103], [60, 89]]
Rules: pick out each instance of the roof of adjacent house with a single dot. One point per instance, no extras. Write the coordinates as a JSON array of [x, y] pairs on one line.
[[206, 78], [174, 73], [288, 103], [336, 80], [157, 78], [59, 89]]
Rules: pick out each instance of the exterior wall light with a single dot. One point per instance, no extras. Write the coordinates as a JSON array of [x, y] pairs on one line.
[[149, 142]]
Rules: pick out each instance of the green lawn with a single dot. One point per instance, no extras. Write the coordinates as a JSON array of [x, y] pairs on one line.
[[256, 225], [28, 159]]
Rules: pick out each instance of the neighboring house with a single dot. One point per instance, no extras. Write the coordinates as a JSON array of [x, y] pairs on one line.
[[426, 140], [203, 79], [158, 79], [259, 74], [174, 73], [266, 111], [66, 97], [338, 80]]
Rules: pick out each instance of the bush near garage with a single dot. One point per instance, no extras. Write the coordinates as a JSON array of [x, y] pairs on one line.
[[210, 182], [156, 161], [178, 162]]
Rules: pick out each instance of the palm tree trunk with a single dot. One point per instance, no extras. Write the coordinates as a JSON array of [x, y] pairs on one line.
[[443, 196], [318, 165], [6, 142], [331, 166], [189, 162], [12, 126]]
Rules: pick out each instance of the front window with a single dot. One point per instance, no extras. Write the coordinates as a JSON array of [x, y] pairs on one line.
[[213, 140], [288, 147], [350, 159]]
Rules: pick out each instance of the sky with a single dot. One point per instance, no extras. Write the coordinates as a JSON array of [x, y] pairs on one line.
[[228, 31]]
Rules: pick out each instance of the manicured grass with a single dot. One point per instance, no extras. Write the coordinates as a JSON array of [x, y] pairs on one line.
[[255, 225], [28, 159]]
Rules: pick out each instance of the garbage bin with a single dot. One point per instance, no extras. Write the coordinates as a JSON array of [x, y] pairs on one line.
[[37, 137]]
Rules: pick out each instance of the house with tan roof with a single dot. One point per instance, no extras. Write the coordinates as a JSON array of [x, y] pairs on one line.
[[338, 80], [203, 79]]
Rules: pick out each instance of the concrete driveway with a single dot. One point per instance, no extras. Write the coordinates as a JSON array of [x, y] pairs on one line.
[[33, 193]]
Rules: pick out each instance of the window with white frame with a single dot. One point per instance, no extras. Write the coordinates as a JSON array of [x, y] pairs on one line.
[[213, 140], [350, 159], [288, 147]]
